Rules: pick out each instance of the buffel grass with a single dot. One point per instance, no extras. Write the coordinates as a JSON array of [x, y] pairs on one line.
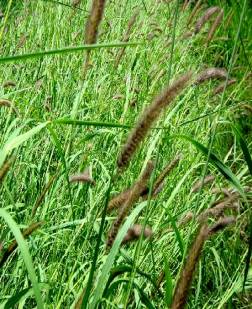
[[80, 143]]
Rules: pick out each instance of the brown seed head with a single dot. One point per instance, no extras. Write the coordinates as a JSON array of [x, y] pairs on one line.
[[205, 17], [132, 198], [148, 117], [211, 73], [215, 25]]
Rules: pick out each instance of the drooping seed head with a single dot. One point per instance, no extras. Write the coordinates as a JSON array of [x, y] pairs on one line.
[[149, 117]]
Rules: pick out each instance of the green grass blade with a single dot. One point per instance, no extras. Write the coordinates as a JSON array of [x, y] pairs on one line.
[[25, 254], [223, 169], [248, 160], [68, 121], [25, 293], [112, 255], [168, 283], [65, 50], [16, 141]]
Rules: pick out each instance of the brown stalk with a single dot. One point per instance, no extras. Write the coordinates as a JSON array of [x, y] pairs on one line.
[[202, 182], [135, 232], [9, 83], [221, 224], [205, 17], [194, 12], [148, 117], [126, 37], [4, 169], [166, 171], [211, 73], [215, 25], [43, 194], [218, 209], [7, 103], [223, 85], [185, 4], [92, 26], [133, 197], [184, 283], [224, 191], [119, 200], [28, 231]]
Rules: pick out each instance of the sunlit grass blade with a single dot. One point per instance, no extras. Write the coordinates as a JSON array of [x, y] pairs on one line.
[[112, 255], [123, 269], [16, 141], [168, 283], [223, 169], [144, 298], [75, 122], [22, 295], [248, 160], [65, 50], [25, 254]]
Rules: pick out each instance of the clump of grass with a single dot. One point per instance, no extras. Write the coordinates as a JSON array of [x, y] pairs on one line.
[[135, 232], [126, 37], [132, 198], [92, 27], [148, 118], [27, 232]]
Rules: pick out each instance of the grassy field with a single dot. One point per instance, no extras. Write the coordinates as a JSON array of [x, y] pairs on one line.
[[57, 121]]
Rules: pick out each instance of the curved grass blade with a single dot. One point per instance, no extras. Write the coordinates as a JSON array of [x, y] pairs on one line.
[[64, 50], [68, 121], [122, 269], [21, 295], [64, 4], [112, 255], [144, 298], [168, 283], [62, 156], [223, 169], [25, 254], [15, 141], [248, 160]]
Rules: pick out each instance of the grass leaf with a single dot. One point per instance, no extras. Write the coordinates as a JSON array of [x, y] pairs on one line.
[[25, 254]]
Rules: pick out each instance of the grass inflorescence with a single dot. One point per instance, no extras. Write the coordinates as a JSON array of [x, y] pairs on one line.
[[137, 173]]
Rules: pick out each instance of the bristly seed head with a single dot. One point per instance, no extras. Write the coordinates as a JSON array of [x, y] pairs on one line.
[[148, 118]]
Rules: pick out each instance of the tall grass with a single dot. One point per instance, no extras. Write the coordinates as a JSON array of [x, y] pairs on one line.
[[54, 123]]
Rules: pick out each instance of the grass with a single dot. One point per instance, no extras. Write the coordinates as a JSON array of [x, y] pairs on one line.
[[65, 123]]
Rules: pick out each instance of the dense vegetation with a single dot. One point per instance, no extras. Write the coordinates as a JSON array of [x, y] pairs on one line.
[[162, 86]]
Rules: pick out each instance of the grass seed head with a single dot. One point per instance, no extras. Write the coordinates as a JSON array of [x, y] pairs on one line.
[[133, 197], [205, 17], [211, 73], [214, 26], [148, 118]]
